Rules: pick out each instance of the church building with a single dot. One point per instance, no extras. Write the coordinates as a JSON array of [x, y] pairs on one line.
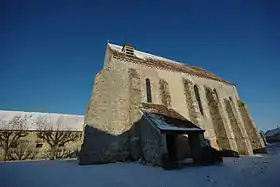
[[144, 106]]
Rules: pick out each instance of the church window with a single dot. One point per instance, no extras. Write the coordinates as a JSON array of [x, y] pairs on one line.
[[216, 94], [197, 97], [148, 90]]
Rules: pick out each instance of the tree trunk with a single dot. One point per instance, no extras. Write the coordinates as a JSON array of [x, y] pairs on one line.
[[53, 152], [5, 154]]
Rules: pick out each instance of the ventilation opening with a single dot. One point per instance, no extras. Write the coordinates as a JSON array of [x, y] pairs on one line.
[[128, 50], [39, 145]]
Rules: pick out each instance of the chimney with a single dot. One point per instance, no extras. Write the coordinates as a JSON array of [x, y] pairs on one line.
[[128, 50]]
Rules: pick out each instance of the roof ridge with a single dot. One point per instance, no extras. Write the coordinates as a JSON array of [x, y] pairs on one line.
[[151, 55]]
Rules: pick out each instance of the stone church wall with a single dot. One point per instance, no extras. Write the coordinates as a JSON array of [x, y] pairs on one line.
[[183, 91], [107, 116], [153, 143], [120, 88], [189, 99], [108, 106], [217, 120], [134, 113], [255, 138], [240, 138], [164, 93]]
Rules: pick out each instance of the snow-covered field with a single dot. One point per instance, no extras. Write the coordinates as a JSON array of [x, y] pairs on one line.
[[256, 171]]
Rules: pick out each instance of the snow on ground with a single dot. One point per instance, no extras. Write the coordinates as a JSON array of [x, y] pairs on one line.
[[257, 171]]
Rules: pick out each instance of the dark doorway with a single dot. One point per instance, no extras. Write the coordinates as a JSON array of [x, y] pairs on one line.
[[171, 147], [183, 146]]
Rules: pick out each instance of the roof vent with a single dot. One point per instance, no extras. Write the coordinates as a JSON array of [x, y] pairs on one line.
[[128, 50]]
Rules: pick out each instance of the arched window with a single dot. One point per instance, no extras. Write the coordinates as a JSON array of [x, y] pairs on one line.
[[197, 97], [148, 90], [230, 98], [216, 94]]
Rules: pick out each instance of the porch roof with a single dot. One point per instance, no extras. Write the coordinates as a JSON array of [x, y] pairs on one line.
[[168, 120]]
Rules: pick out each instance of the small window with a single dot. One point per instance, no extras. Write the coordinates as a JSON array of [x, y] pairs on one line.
[[216, 94], [148, 90], [230, 98], [39, 145], [197, 97]]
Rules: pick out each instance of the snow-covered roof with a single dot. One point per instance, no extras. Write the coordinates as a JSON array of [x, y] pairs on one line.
[[165, 63], [63, 122], [163, 125], [272, 132], [142, 55], [166, 119]]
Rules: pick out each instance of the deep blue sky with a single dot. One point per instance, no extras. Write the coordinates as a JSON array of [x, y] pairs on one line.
[[51, 50]]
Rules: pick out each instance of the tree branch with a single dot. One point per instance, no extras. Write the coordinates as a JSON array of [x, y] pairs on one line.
[[55, 134]]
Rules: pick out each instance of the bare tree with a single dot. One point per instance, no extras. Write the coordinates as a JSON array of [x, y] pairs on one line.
[[11, 133], [23, 150], [56, 135], [63, 152]]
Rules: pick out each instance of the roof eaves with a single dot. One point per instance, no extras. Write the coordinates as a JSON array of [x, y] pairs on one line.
[[179, 130]]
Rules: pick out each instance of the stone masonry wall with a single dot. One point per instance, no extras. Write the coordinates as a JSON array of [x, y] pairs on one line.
[[227, 124], [164, 93], [177, 93], [108, 116], [240, 140], [218, 123], [234, 104], [190, 101], [153, 143], [256, 141], [134, 113]]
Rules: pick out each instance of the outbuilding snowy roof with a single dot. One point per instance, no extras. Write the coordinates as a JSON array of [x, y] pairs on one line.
[[168, 120], [272, 132], [164, 63], [62, 122]]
